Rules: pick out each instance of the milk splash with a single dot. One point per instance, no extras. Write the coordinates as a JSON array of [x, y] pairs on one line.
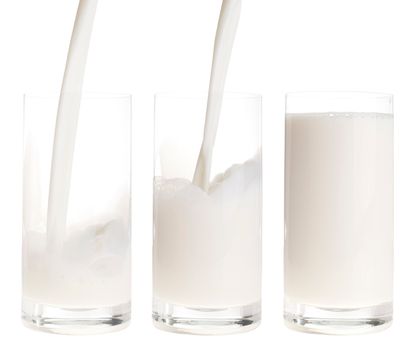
[[225, 36], [66, 124]]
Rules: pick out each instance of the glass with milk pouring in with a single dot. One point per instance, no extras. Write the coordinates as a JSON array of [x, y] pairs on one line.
[[207, 241]]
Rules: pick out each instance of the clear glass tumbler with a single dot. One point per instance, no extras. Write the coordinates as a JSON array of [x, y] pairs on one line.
[[81, 285], [207, 244], [338, 212]]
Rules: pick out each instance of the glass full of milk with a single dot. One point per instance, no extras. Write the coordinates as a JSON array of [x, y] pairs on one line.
[[338, 212], [207, 244], [76, 279]]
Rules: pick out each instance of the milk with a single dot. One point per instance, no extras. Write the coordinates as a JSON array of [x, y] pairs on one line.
[[207, 245], [66, 124], [339, 209], [91, 271], [223, 45]]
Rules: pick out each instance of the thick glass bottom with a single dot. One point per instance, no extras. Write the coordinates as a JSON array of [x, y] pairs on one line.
[[313, 319], [205, 321], [62, 320]]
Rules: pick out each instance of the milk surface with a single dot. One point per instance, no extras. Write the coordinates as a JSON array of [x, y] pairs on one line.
[[339, 209], [207, 245]]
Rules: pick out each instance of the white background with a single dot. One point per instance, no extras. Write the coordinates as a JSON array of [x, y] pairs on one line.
[[165, 45]]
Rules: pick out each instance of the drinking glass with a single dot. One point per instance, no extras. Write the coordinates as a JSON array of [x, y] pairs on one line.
[[207, 244], [81, 285], [338, 212]]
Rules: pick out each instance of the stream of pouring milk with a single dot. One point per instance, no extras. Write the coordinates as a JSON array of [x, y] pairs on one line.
[[207, 242], [66, 123], [223, 45]]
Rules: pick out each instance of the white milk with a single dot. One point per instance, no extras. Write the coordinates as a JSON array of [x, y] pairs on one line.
[[223, 45], [207, 246], [91, 271], [339, 209], [66, 124]]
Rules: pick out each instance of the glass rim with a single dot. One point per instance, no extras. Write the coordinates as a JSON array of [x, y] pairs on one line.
[[342, 94], [84, 96], [196, 95]]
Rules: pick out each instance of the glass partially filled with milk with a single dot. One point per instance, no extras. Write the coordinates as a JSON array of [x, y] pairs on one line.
[[338, 212], [207, 242], [76, 255]]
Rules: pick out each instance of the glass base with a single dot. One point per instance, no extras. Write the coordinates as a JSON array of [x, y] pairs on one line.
[[312, 319], [205, 321], [73, 321]]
